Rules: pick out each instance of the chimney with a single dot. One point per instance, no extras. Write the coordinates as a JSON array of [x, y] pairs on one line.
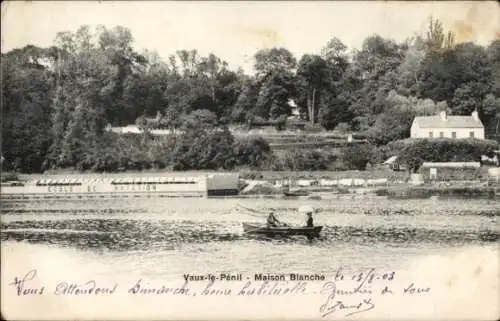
[[443, 115], [475, 115]]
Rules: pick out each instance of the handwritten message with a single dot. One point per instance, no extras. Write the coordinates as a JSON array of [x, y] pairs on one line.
[[340, 294]]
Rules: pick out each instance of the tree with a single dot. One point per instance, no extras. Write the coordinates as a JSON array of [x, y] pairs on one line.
[[453, 75], [268, 61], [410, 66], [375, 67], [491, 118], [333, 111], [274, 95], [229, 87], [335, 54], [312, 75], [275, 82], [395, 121], [210, 68], [116, 45], [493, 54], [89, 90], [201, 83], [435, 39], [144, 90], [245, 104], [27, 89]]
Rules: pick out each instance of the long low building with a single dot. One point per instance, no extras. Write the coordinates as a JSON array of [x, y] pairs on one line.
[[203, 185]]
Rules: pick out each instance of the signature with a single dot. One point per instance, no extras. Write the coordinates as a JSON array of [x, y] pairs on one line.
[[332, 305]]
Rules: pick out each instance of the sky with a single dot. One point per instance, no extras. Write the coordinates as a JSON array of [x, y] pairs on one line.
[[235, 31]]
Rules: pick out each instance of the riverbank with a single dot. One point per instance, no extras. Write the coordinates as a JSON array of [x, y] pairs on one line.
[[412, 192], [316, 184]]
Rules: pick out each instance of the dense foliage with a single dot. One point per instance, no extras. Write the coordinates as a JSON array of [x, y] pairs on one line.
[[357, 157], [59, 102], [414, 152], [301, 160]]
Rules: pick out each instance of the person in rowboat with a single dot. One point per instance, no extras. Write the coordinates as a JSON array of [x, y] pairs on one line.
[[310, 221], [272, 221]]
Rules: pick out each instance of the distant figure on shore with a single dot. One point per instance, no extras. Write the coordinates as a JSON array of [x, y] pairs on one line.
[[310, 221], [272, 221]]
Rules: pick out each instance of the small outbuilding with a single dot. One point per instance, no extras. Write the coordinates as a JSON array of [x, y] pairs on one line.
[[394, 164]]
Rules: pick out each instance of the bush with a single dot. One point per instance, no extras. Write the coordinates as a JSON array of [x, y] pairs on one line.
[[202, 149], [313, 128], [390, 126], [356, 157], [302, 160], [343, 128], [253, 152], [257, 121], [201, 118]]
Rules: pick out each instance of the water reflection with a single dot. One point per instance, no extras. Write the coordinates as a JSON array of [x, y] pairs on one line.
[[129, 234], [155, 224], [166, 238]]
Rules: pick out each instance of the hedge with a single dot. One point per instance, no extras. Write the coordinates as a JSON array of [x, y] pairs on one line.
[[414, 152]]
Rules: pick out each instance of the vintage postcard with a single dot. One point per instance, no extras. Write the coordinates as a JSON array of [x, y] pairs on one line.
[[171, 160]]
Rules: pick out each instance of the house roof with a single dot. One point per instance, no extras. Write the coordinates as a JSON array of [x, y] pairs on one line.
[[450, 122], [391, 160]]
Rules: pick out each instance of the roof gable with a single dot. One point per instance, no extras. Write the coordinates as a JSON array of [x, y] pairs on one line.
[[450, 122]]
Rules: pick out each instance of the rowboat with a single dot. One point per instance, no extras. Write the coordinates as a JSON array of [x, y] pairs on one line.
[[259, 229]]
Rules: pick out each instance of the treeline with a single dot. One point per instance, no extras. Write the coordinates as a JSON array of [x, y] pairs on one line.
[[57, 102]]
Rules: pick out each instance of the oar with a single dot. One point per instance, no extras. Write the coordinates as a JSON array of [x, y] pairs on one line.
[[250, 209], [254, 215], [258, 213], [261, 213]]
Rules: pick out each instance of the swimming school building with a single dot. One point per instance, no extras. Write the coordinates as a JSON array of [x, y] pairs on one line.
[[202, 185]]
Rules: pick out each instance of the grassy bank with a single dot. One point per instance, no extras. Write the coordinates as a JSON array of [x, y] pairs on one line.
[[9, 177], [331, 175], [245, 173], [423, 192]]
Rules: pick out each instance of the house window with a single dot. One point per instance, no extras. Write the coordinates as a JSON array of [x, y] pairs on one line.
[[453, 134], [441, 134], [471, 134], [431, 134]]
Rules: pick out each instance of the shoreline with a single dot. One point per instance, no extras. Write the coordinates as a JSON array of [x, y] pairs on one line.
[[318, 185], [490, 194]]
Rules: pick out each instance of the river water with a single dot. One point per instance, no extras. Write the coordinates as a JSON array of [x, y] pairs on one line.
[[163, 238]]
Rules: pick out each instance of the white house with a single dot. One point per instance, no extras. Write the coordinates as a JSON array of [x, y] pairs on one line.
[[444, 126]]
